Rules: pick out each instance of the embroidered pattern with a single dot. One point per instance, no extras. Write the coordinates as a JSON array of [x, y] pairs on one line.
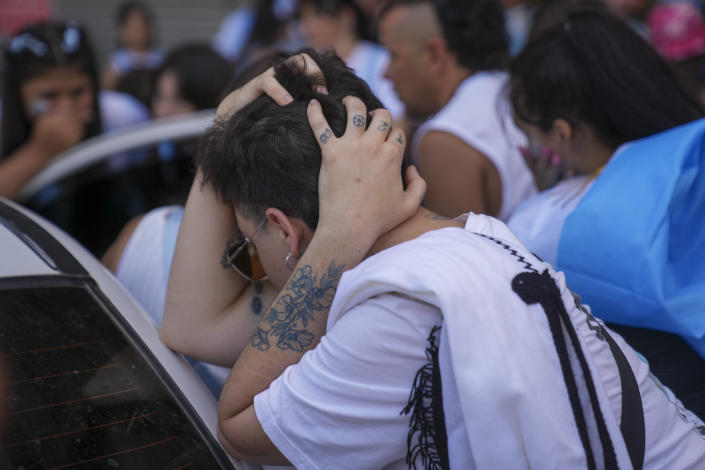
[[427, 438]]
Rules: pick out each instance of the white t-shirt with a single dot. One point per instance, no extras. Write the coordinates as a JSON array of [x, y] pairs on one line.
[[339, 407], [479, 115], [369, 61]]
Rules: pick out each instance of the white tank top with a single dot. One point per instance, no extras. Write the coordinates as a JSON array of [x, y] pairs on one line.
[[479, 114]]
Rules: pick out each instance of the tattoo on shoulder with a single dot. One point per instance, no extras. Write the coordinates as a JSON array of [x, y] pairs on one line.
[[358, 120], [234, 240], [325, 137], [286, 323], [434, 216]]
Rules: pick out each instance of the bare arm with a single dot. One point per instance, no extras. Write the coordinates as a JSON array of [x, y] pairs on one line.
[[460, 179], [361, 197], [210, 311]]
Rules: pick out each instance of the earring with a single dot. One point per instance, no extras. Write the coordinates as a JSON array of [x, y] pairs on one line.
[[289, 257]]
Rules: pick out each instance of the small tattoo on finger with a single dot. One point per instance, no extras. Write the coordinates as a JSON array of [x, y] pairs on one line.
[[400, 140], [325, 137], [383, 126], [358, 120]]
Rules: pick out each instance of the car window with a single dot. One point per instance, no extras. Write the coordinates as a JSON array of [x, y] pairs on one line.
[[94, 204], [80, 394]]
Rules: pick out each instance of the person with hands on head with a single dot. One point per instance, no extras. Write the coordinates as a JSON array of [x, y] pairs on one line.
[[394, 331]]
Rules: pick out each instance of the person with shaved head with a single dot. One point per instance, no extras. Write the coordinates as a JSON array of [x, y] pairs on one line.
[[447, 65]]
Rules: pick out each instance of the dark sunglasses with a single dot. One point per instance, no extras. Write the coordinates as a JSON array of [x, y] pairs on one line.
[[243, 258]]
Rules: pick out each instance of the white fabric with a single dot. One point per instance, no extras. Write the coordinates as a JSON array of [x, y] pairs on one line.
[[504, 397], [369, 62], [538, 221], [479, 115], [118, 110], [143, 270]]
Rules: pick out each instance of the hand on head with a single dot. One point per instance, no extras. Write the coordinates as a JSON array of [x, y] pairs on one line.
[[360, 193]]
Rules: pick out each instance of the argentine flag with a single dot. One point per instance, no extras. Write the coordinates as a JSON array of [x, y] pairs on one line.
[[634, 247]]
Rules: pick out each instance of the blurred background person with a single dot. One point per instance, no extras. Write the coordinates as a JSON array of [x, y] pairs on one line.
[[256, 28], [135, 25], [340, 25], [50, 100], [193, 77], [448, 64], [587, 87], [678, 34]]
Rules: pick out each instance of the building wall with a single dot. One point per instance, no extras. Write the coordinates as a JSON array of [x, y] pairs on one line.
[[176, 21]]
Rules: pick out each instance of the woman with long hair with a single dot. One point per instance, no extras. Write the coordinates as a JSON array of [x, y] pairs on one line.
[[49, 100], [588, 88]]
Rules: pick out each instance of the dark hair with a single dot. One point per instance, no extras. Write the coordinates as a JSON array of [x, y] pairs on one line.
[[473, 29], [594, 69], [34, 51], [202, 74], [335, 7], [125, 8], [266, 155]]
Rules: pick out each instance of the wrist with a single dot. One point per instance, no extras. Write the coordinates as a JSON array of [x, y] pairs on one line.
[[346, 247]]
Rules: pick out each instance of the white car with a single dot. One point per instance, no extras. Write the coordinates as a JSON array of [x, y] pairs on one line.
[[87, 383]]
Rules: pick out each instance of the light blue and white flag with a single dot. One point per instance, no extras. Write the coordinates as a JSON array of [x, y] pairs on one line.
[[634, 248]]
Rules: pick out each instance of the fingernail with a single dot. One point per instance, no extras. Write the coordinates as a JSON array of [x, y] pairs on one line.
[[288, 99], [314, 101]]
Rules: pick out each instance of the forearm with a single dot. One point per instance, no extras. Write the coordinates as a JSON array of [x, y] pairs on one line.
[[18, 168], [207, 312], [294, 324]]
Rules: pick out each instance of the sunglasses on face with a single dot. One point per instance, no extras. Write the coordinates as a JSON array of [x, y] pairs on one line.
[[243, 258]]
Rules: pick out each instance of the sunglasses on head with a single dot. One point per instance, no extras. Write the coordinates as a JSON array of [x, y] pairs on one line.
[[27, 42], [243, 258]]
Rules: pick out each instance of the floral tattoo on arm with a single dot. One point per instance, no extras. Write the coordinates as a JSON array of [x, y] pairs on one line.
[[285, 326]]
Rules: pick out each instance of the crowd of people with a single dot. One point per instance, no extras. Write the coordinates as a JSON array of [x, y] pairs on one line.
[[462, 233]]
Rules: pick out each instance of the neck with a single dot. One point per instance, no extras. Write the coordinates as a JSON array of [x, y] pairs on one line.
[[455, 75], [597, 154], [344, 45], [421, 222]]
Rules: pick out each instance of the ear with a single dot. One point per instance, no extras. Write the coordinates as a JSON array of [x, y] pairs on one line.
[[291, 231], [562, 130], [438, 53]]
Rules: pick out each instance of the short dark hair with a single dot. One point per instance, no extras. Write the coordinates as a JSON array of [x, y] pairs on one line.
[[35, 50], [266, 155], [473, 29], [202, 74], [126, 8], [594, 69]]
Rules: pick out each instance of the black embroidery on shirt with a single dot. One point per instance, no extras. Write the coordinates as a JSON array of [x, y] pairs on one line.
[[511, 251], [427, 438], [534, 288]]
